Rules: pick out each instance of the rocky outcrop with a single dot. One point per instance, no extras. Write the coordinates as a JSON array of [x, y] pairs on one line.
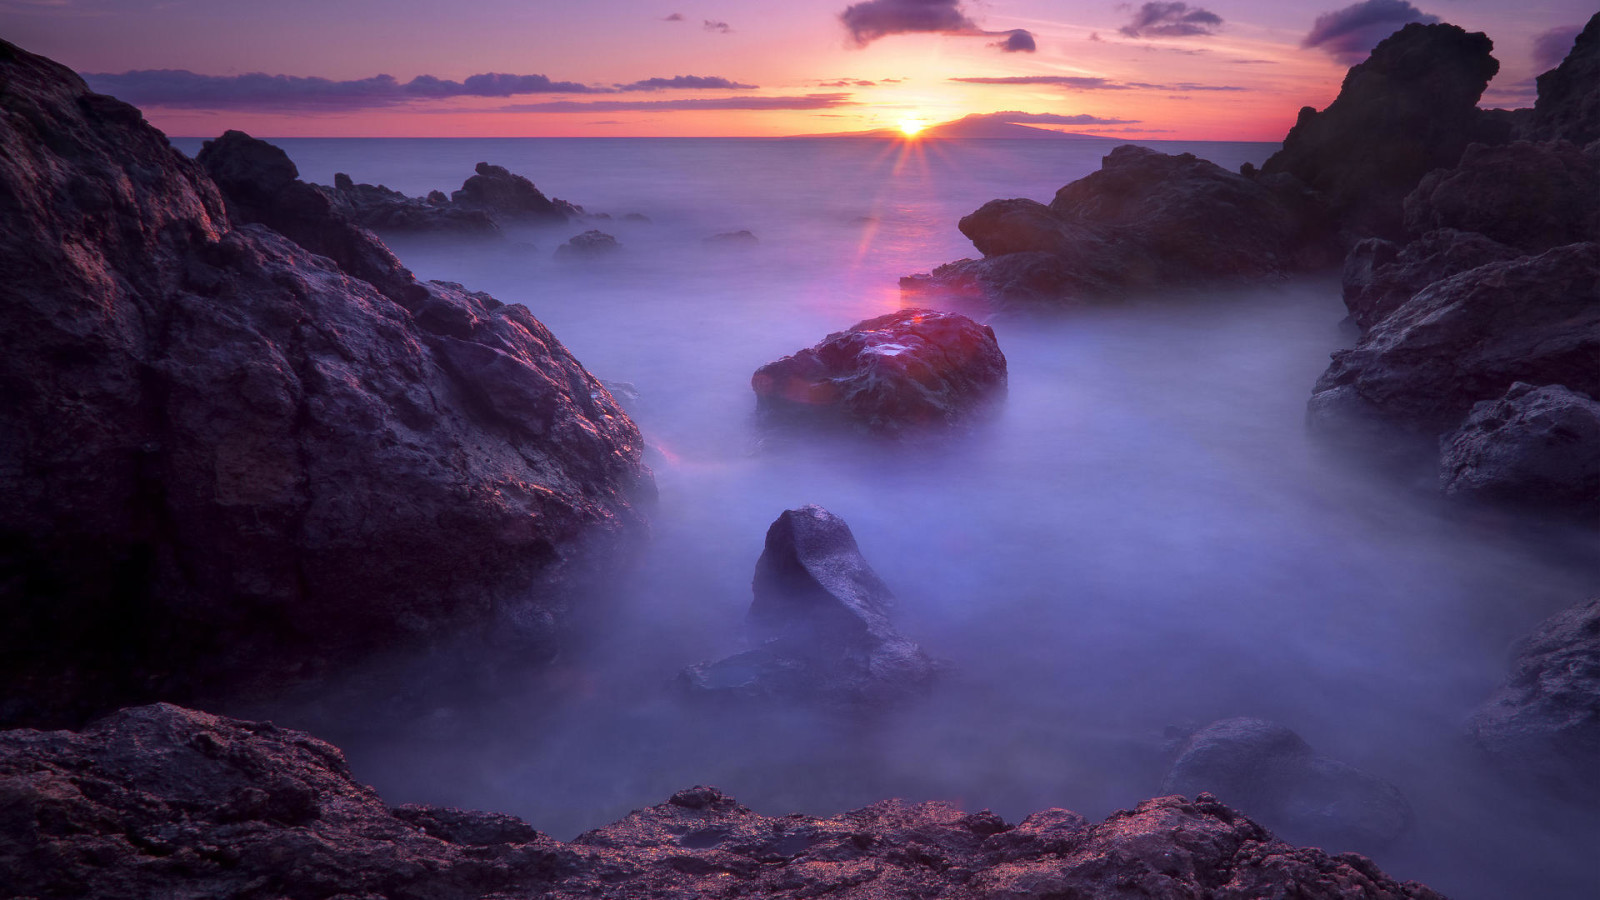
[[1535, 446], [824, 616], [1410, 108], [1543, 725], [588, 245], [163, 801], [233, 456], [1380, 276], [1273, 775], [1524, 195], [1568, 107], [902, 374], [501, 193], [391, 212]]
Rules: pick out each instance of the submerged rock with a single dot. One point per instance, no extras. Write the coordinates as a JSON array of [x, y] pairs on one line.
[[1535, 446], [169, 802], [898, 374], [588, 245], [1272, 774]]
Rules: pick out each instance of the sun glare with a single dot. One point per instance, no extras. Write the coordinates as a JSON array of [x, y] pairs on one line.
[[912, 127]]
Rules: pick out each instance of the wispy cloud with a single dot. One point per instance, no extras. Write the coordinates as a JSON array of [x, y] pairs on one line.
[[1171, 19], [721, 27], [1349, 34], [1084, 83], [673, 17], [1014, 117], [873, 19], [806, 101]]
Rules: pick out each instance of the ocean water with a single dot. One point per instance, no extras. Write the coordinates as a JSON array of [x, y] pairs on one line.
[[1144, 536]]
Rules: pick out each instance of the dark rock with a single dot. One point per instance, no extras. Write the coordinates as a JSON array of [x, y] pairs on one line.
[[899, 374], [132, 808], [1016, 226], [1543, 725], [1272, 774], [1568, 107], [1380, 276], [636, 217], [588, 245], [732, 238], [825, 615], [1529, 196], [227, 463], [389, 211], [1410, 108], [497, 191], [1536, 446]]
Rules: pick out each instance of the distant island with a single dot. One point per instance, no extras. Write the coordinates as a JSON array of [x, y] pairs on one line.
[[978, 126]]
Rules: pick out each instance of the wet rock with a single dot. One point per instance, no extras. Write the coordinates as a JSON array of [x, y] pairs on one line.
[[1525, 195], [1380, 276], [502, 193], [1273, 775], [1568, 107], [1410, 108], [588, 245], [903, 373], [1535, 446], [163, 801], [1543, 725], [825, 616]]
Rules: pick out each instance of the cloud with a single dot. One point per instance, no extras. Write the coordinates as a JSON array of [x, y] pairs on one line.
[[874, 19], [686, 82], [1349, 34], [1551, 47], [1171, 19], [1184, 86], [851, 82], [1018, 40], [1014, 117], [1067, 81], [675, 17], [722, 27], [807, 101]]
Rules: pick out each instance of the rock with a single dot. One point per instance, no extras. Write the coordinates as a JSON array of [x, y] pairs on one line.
[[731, 238], [900, 374], [1272, 774], [825, 616], [228, 463], [1535, 446], [1568, 107], [1410, 108], [588, 245], [1380, 276], [1529, 196], [636, 217], [163, 801], [1543, 725], [389, 211], [501, 193]]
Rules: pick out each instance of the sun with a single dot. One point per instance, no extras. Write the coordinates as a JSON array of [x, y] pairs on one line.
[[912, 127]]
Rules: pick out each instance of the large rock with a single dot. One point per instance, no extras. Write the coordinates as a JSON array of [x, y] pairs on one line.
[[163, 801], [1543, 725], [1272, 774], [1535, 446], [1410, 108], [1525, 195], [226, 460], [389, 211], [503, 193], [904, 373], [1568, 107], [1380, 276]]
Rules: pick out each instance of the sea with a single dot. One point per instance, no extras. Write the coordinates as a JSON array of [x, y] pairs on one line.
[[1142, 540]]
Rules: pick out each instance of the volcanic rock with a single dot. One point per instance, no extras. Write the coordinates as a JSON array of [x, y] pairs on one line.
[[164, 801], [1525, 195], [1543, 725], [1535, 446], [1380, 276], [899, 374], [588, 245], [1272, 774], [502, 193], [1568, 106]]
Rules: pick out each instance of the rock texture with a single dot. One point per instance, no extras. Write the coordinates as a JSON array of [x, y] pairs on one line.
[[1535, 446], [1524, 195], [1380, 276], [163, 801], [391, 212], [1272, 774], [1568, 107], [499, 192], [1544, 723], [901, 374], [232, 455], [824, 615]]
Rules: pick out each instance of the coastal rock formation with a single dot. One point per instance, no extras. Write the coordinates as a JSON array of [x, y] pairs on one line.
[[1543, 725], [1272, 774], [389, 211], [164, 801], [499, 192], [1535, 446], [1380, 276], [825, 616], [1525, 195], [904, 373], [1568, 108], [588, 245], [229, 458]]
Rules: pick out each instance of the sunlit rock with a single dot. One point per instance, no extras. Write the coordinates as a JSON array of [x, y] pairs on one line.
[[1535, 446]]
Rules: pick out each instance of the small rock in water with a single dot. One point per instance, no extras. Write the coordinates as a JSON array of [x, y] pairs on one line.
[[732, 239], [589, 244]]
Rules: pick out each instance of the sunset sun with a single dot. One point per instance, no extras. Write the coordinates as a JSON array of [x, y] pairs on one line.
[[912, 127]]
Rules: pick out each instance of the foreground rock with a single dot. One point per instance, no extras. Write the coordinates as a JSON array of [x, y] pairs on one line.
[[1273, 775], [824, 616], [1544, 724], [1524, 195], [164, 801], [1535, 446], [905, 373], [231, 456], [1380, 276]]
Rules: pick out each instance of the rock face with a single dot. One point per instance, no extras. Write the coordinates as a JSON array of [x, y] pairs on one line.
[[1409, 109], [1568, 107], [1544, 723], [163, 801], [1535, 446], [1274, 775], [901, 374], [824, 614], [495, 190], [233, 456], [1380, 276], [1524, 195]]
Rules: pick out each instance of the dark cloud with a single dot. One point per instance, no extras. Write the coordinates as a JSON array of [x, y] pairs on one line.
[[675, 17], [873, 19], [1349, 34], [722, 27], [686, 82], [1017, 40], [1551, 47], [1068, 81], [807, 101], [1171, 19]]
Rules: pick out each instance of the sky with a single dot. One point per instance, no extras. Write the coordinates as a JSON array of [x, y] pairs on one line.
[[1212, 70]]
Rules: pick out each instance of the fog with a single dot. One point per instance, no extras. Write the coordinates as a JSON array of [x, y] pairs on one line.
[[1143, 537]]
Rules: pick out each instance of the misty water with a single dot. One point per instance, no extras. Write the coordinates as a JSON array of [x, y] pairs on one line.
[[1144, 537]]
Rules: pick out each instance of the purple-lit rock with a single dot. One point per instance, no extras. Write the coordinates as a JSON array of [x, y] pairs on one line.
[[506, 194], [1525, 195], [1534, 446], [588, 245], [1380, 276]]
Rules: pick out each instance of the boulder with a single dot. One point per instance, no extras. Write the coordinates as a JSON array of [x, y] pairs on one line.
[[233, 458], [1410, 108], [1534, 446], [1524, 195], [900, 374], [501, 193], [389, 211], [1568, 106], [1380, 276], [1543, 725], [588, 245], [824, 615], [169, 802], [1272, 774]]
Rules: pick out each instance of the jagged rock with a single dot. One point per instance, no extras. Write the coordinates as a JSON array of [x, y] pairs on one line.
[[1272, 774], [1380, 276], [1525, 195], [226, 461], [1568, 107], [588, 245], [825, 616], [899, 374], [1410, 108], [1543, 725], [1536, 446], [384, 210], [163, 801], [498, 191]]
